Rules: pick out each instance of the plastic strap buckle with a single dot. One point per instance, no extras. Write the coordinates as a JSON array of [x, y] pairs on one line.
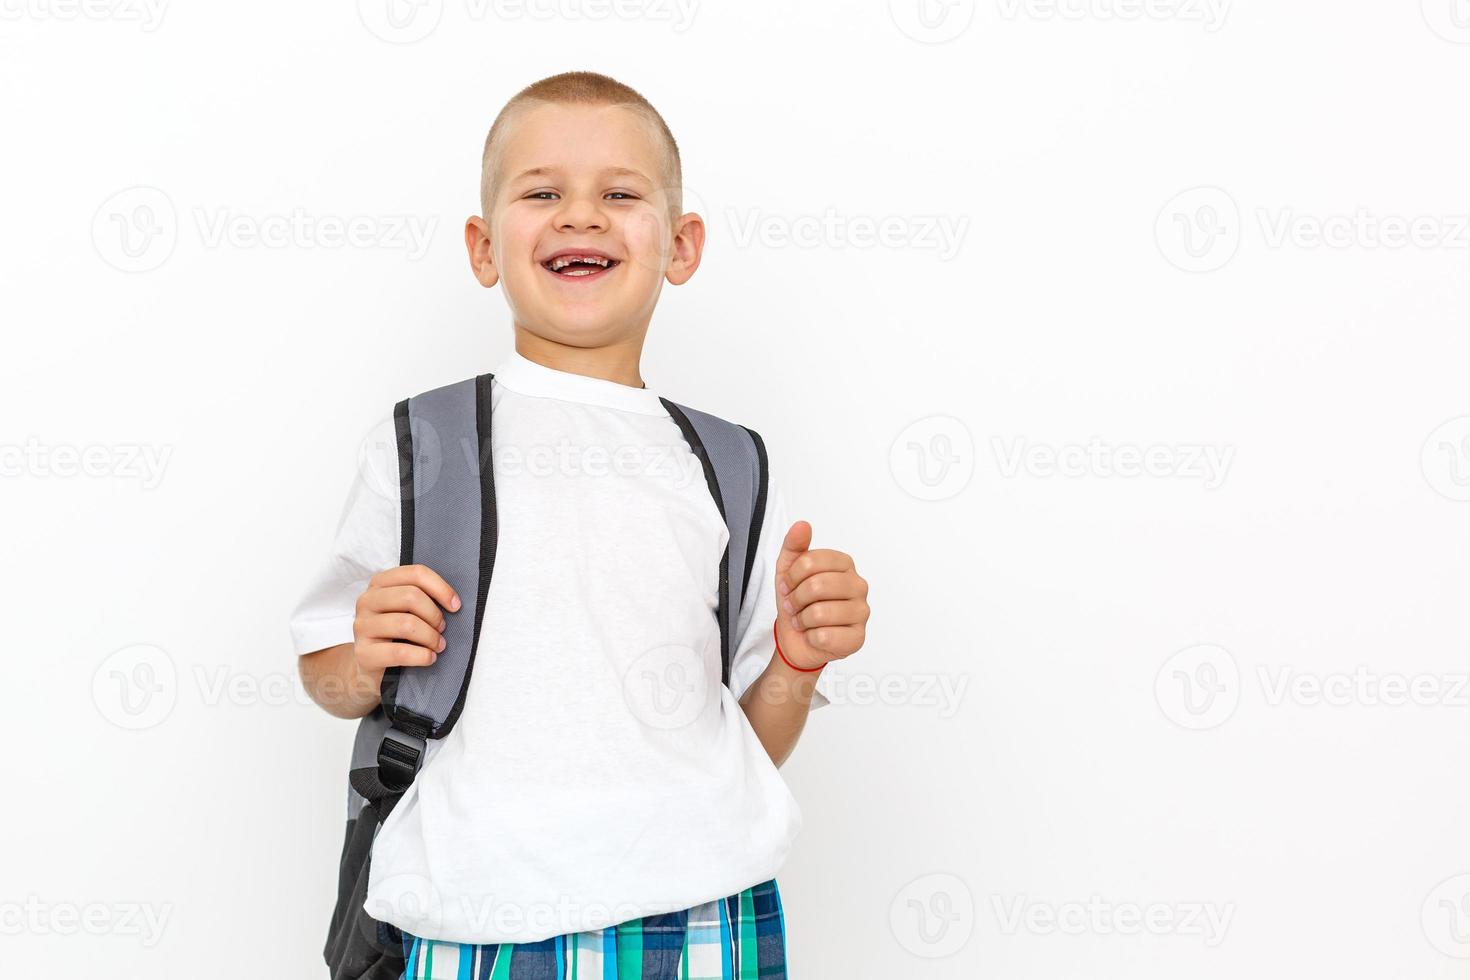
[[399, 756]]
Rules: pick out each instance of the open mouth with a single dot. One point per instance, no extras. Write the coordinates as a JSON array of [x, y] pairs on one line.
[[579, 265]]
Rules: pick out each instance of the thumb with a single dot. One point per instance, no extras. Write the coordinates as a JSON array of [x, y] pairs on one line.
[[798, 539]]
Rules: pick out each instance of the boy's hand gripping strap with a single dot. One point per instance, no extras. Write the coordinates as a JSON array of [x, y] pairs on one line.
[[447, 498]]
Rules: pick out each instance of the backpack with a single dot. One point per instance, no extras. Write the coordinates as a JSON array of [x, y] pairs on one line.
[[448, 520]]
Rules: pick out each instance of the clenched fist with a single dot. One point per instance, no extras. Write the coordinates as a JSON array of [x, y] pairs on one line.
[[821, 601]]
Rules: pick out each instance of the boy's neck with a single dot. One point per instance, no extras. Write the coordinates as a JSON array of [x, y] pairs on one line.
[[616, 362]]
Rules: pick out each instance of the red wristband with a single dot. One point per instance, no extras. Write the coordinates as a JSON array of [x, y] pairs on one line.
[[804, 670]]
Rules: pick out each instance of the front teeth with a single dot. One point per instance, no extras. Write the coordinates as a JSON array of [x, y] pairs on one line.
[[562, 261]]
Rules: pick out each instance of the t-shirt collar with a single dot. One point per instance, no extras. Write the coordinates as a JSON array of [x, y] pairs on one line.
[[527, 377]]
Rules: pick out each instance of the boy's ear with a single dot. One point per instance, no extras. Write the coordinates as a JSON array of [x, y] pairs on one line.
[[686, 248], [482, 257]]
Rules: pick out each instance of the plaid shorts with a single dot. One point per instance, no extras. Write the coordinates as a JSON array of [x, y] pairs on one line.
[[742, 937]]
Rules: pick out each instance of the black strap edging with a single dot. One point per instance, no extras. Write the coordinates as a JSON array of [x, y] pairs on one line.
[[403, 431], [405, 481]]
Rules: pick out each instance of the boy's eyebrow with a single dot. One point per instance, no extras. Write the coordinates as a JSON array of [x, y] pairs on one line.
[[607, 171]]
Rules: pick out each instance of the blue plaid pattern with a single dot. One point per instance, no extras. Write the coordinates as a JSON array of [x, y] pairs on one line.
[[742, 937]]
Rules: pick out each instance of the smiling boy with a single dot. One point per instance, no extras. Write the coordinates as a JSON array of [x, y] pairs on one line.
[[555, 828]]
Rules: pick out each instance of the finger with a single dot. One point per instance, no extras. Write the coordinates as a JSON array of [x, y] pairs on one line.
[[422, 576], [820, 560], [843, 612], [404, 598], [379, 656], [798, 539], [838, 641], [401, 626], [823, 585]]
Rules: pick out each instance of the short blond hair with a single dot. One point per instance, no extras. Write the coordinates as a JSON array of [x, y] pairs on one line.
[[578, 88]]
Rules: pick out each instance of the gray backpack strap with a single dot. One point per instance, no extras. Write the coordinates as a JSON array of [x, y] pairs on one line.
[[734, 461], [449, 524], [447, 499]]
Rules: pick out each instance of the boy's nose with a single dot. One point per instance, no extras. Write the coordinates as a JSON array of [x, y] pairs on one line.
[[580, 214]]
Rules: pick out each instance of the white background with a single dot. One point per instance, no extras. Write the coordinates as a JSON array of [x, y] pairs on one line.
[[1117, 745]]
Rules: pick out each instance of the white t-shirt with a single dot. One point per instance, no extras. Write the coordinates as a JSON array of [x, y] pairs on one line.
[[599, 771]]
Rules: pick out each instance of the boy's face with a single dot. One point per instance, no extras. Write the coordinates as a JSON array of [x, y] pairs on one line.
[[582, 181]]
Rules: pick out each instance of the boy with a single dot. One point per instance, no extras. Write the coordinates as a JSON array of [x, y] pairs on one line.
[[556, 826]]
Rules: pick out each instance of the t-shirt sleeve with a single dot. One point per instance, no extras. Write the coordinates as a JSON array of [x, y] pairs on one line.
[[366, 542], [754, 645]]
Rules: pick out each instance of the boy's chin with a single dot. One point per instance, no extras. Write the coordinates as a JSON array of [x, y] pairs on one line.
[[587, 324]]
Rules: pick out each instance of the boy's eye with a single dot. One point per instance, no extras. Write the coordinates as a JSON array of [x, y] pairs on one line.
[[552, 195]]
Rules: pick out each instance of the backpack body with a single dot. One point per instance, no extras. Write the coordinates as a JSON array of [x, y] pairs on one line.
[[449, 523]]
